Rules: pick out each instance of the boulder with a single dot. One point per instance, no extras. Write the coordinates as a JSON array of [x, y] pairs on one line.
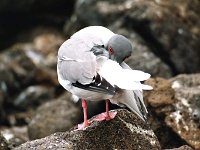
[[174, 105], [125, 131], [160, 102], [184, 120], [53, 116]]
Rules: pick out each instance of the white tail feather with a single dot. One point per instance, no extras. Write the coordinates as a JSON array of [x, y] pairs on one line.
[[123, 78]]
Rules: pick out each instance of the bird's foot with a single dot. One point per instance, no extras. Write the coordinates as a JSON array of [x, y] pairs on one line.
[[83, 125], [105, 116]]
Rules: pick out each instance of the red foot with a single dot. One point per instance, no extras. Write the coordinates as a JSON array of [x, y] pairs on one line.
[[83, 125], [104, 116]]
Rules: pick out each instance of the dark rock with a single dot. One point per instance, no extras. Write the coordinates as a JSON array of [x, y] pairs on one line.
[[3, 143], [54, 116], [187, 93], [30, 63], [18, 65], [125, 131], [169, 29], [19, 117], [15, 136], [34, 96]]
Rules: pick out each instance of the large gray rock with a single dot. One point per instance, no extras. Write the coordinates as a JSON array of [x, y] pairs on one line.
[[168, 28], [54, 116], [160, 102], [185, 120], [175, 106], [125, 131]]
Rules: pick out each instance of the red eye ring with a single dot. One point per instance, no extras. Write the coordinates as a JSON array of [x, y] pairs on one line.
[[110, 50]]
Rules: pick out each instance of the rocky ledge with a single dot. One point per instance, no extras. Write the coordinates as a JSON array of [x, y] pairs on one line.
[[125, 131]]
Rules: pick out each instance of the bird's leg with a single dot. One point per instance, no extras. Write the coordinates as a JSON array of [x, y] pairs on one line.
[[86, 122], [106, 115], [84, 105]]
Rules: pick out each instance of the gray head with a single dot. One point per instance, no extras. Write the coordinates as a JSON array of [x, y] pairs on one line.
[[119, 48]]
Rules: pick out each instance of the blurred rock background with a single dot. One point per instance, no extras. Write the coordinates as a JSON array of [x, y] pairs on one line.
[[165, 36]]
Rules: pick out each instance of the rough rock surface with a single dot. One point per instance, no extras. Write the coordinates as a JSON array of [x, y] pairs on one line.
[[125, 131], [160, 102], [187, 93], [162, 93], [53, 116]]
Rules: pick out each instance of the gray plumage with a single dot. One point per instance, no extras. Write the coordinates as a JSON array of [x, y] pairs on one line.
[[76, 62], [82, 56]]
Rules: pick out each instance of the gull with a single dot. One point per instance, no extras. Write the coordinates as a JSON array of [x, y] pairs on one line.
[[91, 66]]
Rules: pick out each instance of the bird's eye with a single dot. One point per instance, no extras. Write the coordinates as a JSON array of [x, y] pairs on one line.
[[110, 50]]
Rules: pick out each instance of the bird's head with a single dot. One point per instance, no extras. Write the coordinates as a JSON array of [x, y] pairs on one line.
[[119, 48]]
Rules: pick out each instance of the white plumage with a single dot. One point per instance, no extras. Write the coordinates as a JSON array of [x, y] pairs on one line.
[[123, 78], [77, 62]]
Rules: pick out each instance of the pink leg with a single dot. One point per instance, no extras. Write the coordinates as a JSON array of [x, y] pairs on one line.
[[106, 115], [85, 123]]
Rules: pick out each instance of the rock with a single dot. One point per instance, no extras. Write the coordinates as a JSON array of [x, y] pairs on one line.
[[184, 147], [125, 131], [19, 117], [34, 96], [26, 64], [54, 116], [160, 102], [20, 66], [162, 93], [187, 93], [167, 28], [15, 135], [42, 44], [3, 143]]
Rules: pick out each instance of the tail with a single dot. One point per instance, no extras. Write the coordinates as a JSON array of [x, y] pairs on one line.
[[123, 78], [134, 101]]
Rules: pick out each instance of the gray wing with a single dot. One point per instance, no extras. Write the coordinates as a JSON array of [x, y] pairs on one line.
[[76, 62], [138, 96]]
